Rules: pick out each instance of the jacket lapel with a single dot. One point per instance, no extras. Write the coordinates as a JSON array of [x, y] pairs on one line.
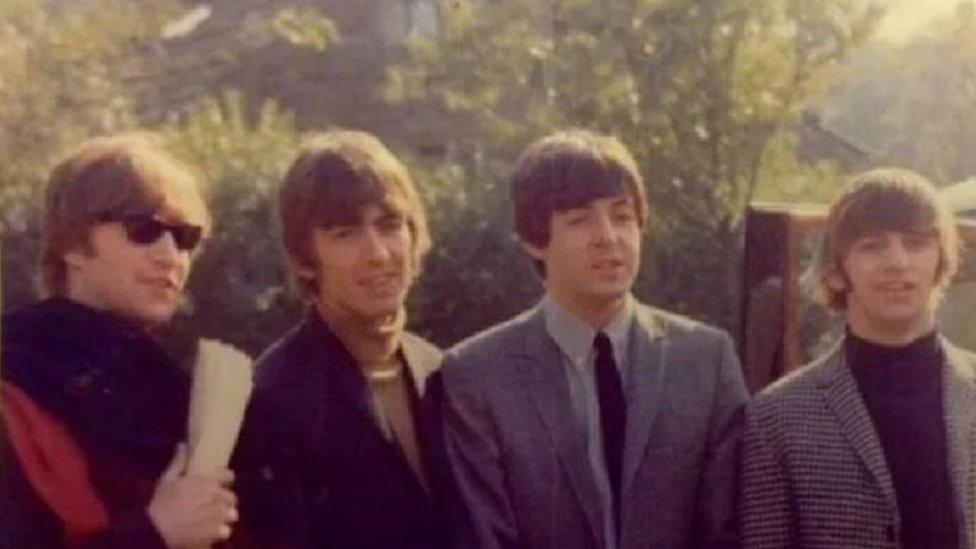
[[335, 372], [542, 365], [420, 364], [340, 383], [646, 360], [841, 394], [959, 401]]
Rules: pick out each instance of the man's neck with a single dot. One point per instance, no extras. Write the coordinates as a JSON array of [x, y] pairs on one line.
[[79, 294], [891, 335], [84, 299], [373, 342], [596, 314]]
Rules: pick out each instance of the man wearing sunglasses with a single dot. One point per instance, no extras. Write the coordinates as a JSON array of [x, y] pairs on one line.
[[93, 408]]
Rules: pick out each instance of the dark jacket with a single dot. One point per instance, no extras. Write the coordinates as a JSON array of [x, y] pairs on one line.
[[313, 467], [123, 400]]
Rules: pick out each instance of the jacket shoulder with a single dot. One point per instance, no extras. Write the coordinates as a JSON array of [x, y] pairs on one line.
[[422, 348], [277, 366], [798, 386], [491, 345], [676, 325]]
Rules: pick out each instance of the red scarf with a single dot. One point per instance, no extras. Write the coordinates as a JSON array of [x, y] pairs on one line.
[[53, 463]]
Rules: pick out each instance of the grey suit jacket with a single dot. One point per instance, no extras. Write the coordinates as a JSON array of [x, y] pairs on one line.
[[814, 472], [518, 453]]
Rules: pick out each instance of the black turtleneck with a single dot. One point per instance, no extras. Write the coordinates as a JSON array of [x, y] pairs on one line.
[[902, 389]]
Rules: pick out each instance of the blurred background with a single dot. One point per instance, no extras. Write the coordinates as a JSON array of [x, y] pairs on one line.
[[723, 102]]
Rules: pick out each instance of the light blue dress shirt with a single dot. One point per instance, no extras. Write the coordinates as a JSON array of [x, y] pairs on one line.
[[575, 339]]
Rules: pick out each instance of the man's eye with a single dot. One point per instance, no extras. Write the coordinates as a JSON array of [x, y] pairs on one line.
[[392, 223], [343, 232], [624, 216], [917, 241], [871, 244], [575, 218]]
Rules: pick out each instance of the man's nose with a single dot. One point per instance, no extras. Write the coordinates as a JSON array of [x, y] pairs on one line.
[[375, 246], [165, 250], [604, 229], [896, 253]]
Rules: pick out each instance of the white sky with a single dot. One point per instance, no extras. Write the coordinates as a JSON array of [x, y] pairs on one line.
[[907, 17]]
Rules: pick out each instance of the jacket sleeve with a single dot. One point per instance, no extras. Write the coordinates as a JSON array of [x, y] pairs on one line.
[[133, 529], [26, 522], [716, 521], [486, 519], [766, 514]]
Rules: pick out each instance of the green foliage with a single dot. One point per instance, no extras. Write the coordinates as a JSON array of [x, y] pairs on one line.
[[475, 258], [59, 83], [705, 93], [237, 289], [62, 80], [784, 178], [306, 27]]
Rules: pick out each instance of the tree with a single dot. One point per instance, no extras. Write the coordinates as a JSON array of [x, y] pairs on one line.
[[58, 85], [704, 92], [61, 82], [914, 104], [238, 288]]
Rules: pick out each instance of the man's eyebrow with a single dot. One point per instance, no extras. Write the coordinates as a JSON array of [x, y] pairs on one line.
[[343, 224]]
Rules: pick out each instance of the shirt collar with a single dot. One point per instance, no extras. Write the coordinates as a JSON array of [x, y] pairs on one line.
[[575, 338]]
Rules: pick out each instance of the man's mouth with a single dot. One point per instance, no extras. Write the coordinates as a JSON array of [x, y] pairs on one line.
[[612, 264], [896, 288], [381, 282], [162, 283]]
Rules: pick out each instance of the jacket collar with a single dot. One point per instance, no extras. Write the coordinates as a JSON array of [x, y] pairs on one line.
[[840, 392], [332, 358]]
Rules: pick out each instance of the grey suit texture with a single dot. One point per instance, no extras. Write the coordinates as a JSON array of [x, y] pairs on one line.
[[519, 456], [814, 473]]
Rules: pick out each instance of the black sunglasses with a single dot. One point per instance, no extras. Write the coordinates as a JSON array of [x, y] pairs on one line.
[[145, 229]]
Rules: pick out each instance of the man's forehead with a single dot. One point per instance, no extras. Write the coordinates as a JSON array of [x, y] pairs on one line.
[[614, 198], [167, 202], [891, 227], [880, 232], [364, 214], [171, 213]]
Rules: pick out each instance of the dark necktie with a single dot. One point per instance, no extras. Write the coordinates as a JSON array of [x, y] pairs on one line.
[[613, 414]]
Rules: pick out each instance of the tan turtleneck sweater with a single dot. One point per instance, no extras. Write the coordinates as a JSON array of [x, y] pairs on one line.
[[376, 350]]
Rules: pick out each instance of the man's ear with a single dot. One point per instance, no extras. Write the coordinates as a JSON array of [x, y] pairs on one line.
[[303, 272], [534, 251], [74, 257], [837, 281]]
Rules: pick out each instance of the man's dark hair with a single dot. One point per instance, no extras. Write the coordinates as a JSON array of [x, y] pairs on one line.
[[568, 169]]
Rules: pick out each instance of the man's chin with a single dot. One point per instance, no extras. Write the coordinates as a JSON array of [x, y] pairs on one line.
[[152, 318], [387, 319], [610, 292]]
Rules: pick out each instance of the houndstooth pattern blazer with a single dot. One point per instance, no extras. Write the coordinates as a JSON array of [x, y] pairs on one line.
[[814, 473]]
